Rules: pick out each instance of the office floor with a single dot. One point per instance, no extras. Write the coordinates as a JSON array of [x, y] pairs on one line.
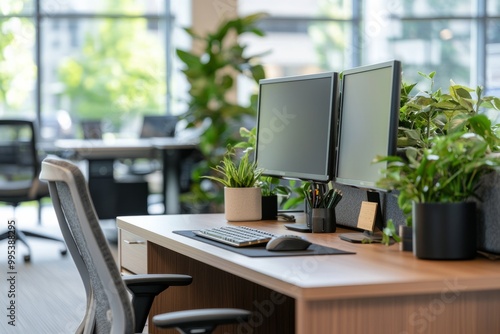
[[50, 297]]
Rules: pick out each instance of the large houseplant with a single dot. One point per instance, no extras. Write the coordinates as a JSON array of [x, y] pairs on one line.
[[212, 74], [242, 195], [448, 147]]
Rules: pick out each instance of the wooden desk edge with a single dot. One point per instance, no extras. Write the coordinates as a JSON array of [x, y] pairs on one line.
[[314, 293]]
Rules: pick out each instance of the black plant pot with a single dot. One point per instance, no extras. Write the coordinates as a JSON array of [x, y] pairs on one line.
[[269, 207], [406, 235], [444, 231]]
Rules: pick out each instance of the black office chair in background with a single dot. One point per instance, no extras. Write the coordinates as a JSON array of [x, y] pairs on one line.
[[91, 128], [109, 308], [19, 168]]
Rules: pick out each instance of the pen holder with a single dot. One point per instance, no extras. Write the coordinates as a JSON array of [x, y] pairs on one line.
[[321, 220]]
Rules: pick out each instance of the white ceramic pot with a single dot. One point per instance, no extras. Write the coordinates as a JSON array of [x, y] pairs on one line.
[[243, 204]]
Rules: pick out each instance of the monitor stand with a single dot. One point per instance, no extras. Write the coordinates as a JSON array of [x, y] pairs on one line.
[[299, 228], [362, 237], [368, 236]]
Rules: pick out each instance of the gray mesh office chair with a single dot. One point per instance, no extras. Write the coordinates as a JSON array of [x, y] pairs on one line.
[[19, 169], [109, 309]]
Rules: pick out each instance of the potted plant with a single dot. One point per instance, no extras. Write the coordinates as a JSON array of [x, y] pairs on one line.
[[242, 195], [440, 183], [446, 147], [271, 188], [431, 113]]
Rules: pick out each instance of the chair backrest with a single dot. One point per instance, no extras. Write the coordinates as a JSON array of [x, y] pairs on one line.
[[19, 165], [109, 309], [158, 126]]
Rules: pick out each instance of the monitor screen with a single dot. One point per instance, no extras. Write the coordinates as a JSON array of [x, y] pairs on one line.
[[158, 126], [296, 126], [368, 122]]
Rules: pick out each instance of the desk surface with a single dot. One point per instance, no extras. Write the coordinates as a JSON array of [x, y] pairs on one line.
[[375, 270], [122, 147]]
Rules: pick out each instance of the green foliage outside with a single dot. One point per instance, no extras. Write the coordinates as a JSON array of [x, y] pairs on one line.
[[120, 71], [6, 38], [17, 66]]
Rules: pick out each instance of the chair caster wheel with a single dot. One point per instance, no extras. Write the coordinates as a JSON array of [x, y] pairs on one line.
[[27, 258]]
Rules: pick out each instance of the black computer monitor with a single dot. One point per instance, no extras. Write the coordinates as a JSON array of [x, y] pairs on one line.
[[296, 126], [368, 124], [158, 126]]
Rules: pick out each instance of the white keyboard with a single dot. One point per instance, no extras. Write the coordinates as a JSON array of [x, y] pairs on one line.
[[237, 236]]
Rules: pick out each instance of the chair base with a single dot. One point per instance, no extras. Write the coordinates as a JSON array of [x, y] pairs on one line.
[[21, 235]]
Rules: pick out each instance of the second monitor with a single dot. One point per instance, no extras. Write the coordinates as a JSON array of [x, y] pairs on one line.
[[296, 126], [368, 125]]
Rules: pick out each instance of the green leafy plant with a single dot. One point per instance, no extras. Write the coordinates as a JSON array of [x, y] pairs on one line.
[[389, 233], [446, 144], [211, 74], [431, 113], [448, 171], [271, 186], [242, 174]]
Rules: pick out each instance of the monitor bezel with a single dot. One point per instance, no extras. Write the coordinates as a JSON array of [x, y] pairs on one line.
[[395, 65], [334, 107]]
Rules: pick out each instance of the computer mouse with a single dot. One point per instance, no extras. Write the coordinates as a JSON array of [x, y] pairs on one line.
[[287, 243]]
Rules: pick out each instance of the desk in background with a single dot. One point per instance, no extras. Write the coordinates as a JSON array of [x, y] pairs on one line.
[[378, 290], [101, 155]]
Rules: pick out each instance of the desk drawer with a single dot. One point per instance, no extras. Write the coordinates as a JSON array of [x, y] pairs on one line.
[[133, 253]]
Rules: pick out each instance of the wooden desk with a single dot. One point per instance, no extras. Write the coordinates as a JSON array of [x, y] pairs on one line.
[[107, 148], [377, 290], [102, 153]]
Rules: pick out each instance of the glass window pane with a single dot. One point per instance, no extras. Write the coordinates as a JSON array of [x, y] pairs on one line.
[[109, 69], [17, 67], [424, 8], [493, 7], [129, 7], [298, 8], [12, 7], [443, 46], [493, 58], [308, 47]]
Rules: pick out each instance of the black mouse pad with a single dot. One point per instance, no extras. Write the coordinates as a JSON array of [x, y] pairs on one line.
[[261, 251]]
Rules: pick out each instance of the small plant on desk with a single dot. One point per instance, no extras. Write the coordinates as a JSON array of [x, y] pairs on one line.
[[242, 196]]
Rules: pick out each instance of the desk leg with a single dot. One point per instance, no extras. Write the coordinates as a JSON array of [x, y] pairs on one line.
[[171, 188]]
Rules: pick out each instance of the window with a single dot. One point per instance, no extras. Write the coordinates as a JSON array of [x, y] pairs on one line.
[[458, 39], [67, 61]]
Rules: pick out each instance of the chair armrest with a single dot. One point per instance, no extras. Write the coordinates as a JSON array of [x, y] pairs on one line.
[[146, 281], [145, 288], [206, 319]]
